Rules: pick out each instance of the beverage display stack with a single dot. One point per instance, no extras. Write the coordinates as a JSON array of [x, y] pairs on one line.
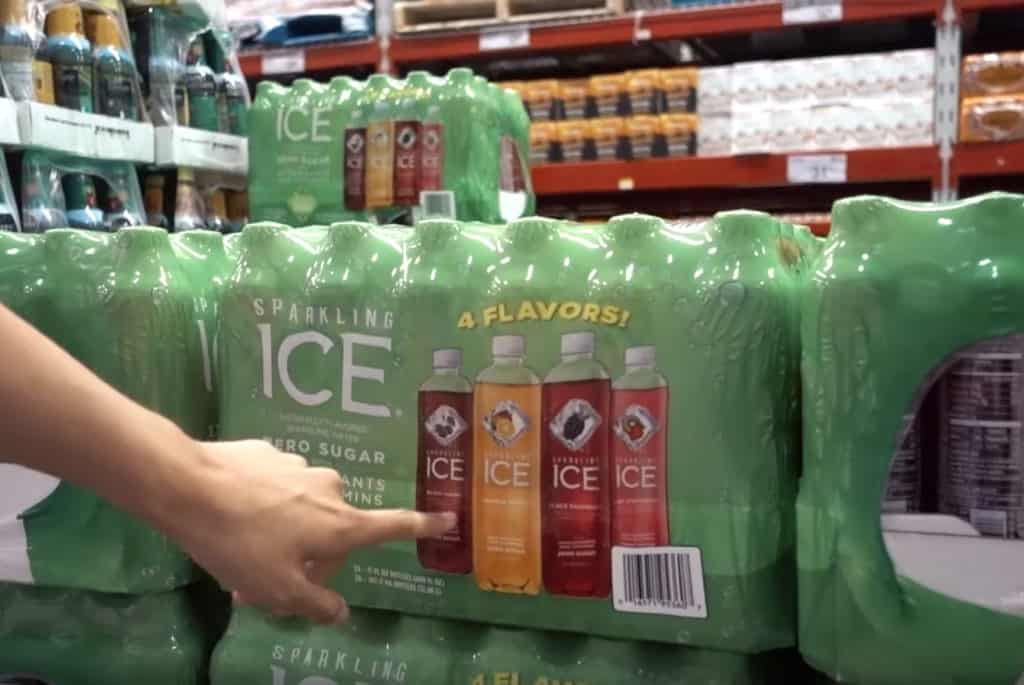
[[94, 96]]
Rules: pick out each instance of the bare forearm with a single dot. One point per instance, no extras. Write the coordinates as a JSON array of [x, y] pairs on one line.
[[65, 421]]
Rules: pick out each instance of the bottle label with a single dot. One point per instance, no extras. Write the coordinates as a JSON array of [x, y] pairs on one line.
[[73, 86], [115, 96], [575, 489], [187, 213], [42, 80], [355, 168], [444, 477], [431, 157], [639, 444], [380, 164], [16, 63], [407, 163]]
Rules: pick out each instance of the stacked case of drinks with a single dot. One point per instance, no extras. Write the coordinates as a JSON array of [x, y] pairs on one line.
[[568, 391], [912, 493], [992, 92], [79, 579], [390, 150], [630, 115]]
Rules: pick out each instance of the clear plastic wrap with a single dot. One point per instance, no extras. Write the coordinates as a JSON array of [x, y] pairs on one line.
[[547, 377], [59, 191], [911, 510], [9, 220], [190, 71]]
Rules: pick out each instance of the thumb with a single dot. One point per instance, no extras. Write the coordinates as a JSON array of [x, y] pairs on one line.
[[318, 603]]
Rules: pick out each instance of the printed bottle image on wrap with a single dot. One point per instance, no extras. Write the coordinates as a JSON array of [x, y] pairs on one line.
[[639, 453], [506, 464], [444, 477], [380, 142], [575, 510]]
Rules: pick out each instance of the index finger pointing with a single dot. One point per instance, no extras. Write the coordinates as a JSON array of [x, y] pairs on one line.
[[381, 525]]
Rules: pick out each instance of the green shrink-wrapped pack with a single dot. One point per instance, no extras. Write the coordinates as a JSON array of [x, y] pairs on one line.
[[391, 150], [123, 305], [911, 509], [75, 637], [385, 647], [609, 410]]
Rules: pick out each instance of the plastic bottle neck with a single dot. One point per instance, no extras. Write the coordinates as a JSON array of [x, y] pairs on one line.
[[639, 367], [577, 357], [508, 361], [447, 371]]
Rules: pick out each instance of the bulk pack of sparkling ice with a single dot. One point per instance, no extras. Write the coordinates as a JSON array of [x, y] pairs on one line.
[[389, 150], [89, 594], [571, 392], [911, 508]]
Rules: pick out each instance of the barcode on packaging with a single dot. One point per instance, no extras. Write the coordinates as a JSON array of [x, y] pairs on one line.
[[659, 580], [437, 204]]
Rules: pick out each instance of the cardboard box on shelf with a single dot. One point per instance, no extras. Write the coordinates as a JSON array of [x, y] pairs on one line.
[[994, 73], [992, 118]]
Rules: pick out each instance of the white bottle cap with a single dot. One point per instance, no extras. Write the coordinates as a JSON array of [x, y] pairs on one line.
[[578, 343], [448, 359], [640, 356], [508, 346]]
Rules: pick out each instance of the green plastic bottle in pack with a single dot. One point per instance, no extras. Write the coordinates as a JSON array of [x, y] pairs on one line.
[[267, 118], [75, 637], [106, 299], [205, 263], [354, 339], [918, 313], [385, 647]]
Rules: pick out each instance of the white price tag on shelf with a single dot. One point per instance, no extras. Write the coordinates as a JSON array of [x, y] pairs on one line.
[[811, 11], [283, 62], [816, 168], [504, 39]]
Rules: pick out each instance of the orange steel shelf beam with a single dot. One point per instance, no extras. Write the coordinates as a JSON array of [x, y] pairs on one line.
[[988, 159], [678, 24], [364, 53], [901, 164]]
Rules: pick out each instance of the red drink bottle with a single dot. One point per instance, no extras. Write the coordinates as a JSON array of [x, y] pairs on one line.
[[443, 472], [575, 510], [639, 459]]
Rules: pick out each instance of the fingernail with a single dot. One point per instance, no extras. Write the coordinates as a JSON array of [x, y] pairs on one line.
[[450, 519], [343, 614]]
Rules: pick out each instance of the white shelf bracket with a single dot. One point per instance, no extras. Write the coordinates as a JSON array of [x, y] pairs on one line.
[[947, 96]]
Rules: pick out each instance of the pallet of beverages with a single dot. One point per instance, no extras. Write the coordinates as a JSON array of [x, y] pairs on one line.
[[452, 15]]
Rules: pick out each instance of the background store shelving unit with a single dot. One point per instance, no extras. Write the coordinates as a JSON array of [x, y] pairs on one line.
[[716, 34]]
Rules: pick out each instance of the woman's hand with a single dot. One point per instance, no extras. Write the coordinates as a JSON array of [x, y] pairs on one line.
[[274, 530]]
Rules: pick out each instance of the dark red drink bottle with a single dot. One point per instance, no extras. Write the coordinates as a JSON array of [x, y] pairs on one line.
[[443, 477], [574, 492], [639, 459]]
